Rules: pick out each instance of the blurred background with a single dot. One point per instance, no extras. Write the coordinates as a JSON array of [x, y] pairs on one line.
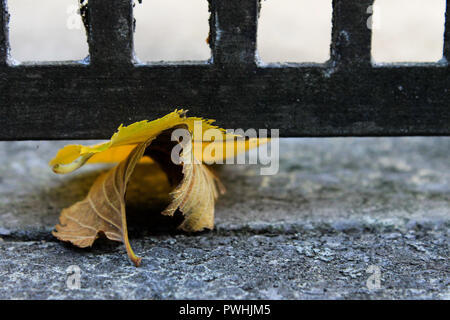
[[171, 30]]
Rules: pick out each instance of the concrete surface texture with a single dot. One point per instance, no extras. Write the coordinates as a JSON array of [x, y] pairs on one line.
[[345, 218]]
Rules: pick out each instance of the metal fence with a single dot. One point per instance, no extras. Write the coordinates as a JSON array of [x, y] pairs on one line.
[[347, 96]]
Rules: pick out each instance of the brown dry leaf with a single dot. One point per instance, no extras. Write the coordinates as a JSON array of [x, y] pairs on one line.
[[196, 188], [196, 195], [103, 210]]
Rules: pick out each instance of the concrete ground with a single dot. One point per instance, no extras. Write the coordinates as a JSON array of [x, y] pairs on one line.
[[341, 214]]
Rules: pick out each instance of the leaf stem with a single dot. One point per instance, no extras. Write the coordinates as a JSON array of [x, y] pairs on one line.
[[136, 260]]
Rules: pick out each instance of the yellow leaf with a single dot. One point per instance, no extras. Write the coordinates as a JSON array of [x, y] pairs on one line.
[[196, 188], [117, 154], [73, 157]]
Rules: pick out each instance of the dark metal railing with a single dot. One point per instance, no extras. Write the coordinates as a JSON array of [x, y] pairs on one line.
[[347, 96]]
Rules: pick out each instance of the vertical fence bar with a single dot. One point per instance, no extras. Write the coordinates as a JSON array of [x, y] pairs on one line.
[[351, 37], [233, 27], [111, 32], [447, 32], [4, 43]]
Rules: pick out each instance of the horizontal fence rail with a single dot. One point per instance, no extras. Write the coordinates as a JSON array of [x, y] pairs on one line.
[[347, 96]]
